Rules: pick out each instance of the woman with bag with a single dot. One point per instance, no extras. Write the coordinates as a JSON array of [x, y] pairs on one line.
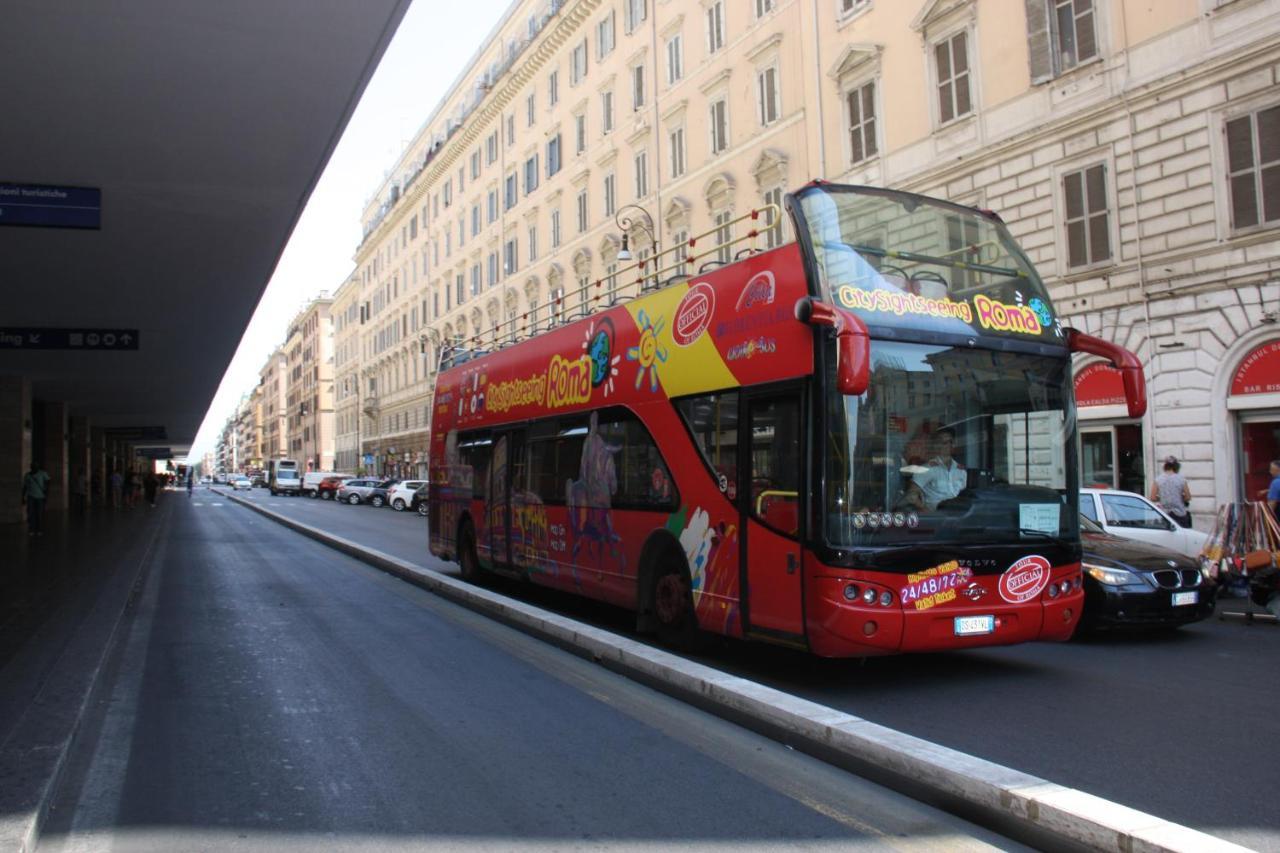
[[1170, 490]]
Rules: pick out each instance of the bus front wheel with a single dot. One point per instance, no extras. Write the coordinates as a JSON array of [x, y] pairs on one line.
[[673, 609], [468, 562]]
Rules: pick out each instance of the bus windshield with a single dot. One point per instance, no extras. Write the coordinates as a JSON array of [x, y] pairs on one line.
[[914, 264], [952, 445]]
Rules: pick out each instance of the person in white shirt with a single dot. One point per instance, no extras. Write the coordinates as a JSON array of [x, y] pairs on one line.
[[944, 478]]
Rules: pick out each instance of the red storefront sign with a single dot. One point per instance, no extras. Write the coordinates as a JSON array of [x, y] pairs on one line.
[[1259, 371], [1099, 384]]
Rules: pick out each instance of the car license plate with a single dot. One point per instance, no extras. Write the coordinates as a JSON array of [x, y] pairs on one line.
[[970, 625], [1181, 598]]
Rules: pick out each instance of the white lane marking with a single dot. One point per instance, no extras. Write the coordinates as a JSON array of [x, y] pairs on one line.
[[197, 503], [215, 503]]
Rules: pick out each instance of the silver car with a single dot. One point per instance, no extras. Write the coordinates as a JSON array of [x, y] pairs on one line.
[[364, 490]]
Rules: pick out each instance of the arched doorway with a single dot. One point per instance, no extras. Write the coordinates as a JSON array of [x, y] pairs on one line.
[[1111, 454]]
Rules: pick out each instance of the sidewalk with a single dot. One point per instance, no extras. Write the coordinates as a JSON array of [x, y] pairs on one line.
[[61, 597]]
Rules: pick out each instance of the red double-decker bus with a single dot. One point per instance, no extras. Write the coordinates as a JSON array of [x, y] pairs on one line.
[[859, 443]]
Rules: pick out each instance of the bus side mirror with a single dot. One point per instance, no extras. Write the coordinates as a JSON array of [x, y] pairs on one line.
[[1135, 384], [853, 344]]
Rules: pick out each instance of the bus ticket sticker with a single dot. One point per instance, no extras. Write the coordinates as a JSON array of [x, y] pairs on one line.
[[1025, 579], [693, 314], [936, 585]]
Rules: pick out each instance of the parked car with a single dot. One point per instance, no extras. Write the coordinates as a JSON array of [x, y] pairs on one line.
[[418, 503], [328, 488], [258, 481], [311, 481], [402, 494], [241, 483], [1131, 516], [1133, 584], [366, 490]]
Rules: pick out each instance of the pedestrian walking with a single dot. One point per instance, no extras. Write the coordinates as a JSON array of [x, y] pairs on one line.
[[150, 483], [35, 488], [1272, 495], [117, 489], [1170, 490], [191, 480]]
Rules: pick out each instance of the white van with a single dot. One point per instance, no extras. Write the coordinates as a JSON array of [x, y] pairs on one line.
[[283, 477], [311, 481]]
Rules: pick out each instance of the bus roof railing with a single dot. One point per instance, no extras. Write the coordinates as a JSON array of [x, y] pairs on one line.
[[611, 290]]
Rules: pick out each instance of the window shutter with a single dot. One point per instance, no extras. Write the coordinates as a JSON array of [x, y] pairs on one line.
[[1038, 41]]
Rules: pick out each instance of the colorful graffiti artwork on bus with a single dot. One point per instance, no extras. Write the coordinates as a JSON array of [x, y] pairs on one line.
[[760, 290], [712, 552], [568, 381], [648, 354], [598, 345], [590, 498], [1003, 317], [530, 533]]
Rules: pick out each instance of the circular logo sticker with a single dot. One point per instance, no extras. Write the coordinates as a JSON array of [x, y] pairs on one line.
[[1025, 579], [693, 314]]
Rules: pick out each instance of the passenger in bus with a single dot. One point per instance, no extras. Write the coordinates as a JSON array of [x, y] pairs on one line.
[[942, 479]]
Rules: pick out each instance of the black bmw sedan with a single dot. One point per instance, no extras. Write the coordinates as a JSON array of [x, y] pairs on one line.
[[1133, 584]]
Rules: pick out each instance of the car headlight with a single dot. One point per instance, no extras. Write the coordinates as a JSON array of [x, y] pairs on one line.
[[1109, 576]]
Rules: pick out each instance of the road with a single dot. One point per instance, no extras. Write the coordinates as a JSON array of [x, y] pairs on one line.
[[269, 693], [1175, 724]]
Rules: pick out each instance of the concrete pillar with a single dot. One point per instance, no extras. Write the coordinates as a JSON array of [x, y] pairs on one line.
[[54, 450], [78, 456], [99, 466], [15, 445]]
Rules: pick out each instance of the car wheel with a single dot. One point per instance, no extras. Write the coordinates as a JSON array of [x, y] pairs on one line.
[[468, 562], [398, 504], [312, 494], [376, 500], [353, 500], [422, 509]]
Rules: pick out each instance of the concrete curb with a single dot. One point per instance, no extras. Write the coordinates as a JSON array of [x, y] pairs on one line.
[[1018, 804]]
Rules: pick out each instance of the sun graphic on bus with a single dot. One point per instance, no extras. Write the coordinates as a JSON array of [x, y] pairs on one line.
[[648, 354]]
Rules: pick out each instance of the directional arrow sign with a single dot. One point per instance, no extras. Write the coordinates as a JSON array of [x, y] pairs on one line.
[[12, 338]]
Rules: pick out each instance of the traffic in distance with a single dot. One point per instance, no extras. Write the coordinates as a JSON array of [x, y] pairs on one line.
[[767, 448]]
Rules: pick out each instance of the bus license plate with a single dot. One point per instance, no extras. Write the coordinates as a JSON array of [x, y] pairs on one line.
[[969, 625], [1181, 598]]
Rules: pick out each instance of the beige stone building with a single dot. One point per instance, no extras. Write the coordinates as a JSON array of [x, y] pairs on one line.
[[346, 374], [309, 389], [274, 378], [1133, 147]]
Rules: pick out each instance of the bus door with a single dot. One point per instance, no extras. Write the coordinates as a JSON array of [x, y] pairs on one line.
[[504, 488], [771, 485]]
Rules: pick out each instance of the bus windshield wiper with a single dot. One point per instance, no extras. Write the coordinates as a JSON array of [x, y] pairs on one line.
[[1052, 537]]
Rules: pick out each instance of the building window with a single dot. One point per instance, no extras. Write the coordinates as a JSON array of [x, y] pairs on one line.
[[1088, 236], [580, 133], [724, 234], [511, 130], [553, 88], [475, 219], [1253, 167], [773, 219], [557, 304], [606, 111], [475, 164], [610, 194], [860, 105], [530, 108], [767, 93], [951, 59], [676, 137], [475, 280], [719, 122], [493, 268], [637, 87], [447, 193], [533, 243], [553, 155], [510, 256], [555, 229], [491, 149], [1074, 38], [764, 7], [493, 206], [582, 210], [642, 174], [634, 13], [605, 36], [531, 174], [462, 231], [681, 239], [715, 26], [848, 7], [578, 63], [675, 59]]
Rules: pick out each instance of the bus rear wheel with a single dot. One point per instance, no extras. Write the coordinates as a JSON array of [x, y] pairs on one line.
[[673, 609], [468, 562]]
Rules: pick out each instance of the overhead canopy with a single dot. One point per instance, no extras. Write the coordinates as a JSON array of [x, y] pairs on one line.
[[205, 127]]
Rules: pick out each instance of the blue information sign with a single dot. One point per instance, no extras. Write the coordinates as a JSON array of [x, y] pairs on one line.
[[43, 206]]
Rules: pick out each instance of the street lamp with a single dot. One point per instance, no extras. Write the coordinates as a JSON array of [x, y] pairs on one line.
[[625, 223]]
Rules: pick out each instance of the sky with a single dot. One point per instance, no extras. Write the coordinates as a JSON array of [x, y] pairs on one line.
[[435, 40]]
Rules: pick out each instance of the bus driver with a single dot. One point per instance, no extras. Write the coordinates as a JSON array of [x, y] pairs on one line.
[[943, 479]]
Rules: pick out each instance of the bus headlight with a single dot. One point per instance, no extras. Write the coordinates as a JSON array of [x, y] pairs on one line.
[[869, 595], [886, 598], [851, 592]]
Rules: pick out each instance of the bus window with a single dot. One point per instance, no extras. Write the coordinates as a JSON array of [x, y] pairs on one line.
[[644, 482], [775, 462], [554, 457], [474, 450], [713, 420]]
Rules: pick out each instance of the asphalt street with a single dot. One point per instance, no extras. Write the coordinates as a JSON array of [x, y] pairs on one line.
[[1173, 723], [268, 692]]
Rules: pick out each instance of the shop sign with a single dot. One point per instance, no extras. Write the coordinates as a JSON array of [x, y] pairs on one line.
[[1099, 384], [1259, 371]]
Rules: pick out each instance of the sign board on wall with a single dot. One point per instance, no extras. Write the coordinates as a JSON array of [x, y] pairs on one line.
[[1259, 371], [1099, 384]]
